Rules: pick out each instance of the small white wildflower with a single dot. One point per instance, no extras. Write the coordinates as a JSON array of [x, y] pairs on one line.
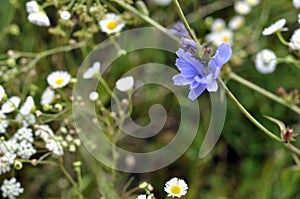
[[8, 149], [92, 71], [39, 19], [27, 106], [25, 149], [58, 79], [11, 104], [218, 25], [3, 122], [296, 3], [47, 96], [65, 15], [295, 40], [2, 92], [242, 7], [44, 132], [24, 134], [162, 2], [54, 146], [266, 61], [11, 189], [32, 6], [253, 2], [112, 23], [217, 38], [93, 96], [236, 22], [125, 83], [176, 188], [275, 27], [144, 197]]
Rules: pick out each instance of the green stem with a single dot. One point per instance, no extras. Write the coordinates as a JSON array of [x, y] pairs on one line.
[[282, 40], [264, 92], [186, 24], [255, 122]]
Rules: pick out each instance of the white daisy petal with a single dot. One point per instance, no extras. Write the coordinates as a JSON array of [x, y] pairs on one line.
[[295, 40], [27, 106], [296, 3], [2, 92], [125, 83], [275, 27], [236, 22], [39, 19], [11, 104], [58, 79], [47, 96], [92, 71], [93, 96], [162, 2], [242, 7], [218, 25], [32, 6], [112, 23]]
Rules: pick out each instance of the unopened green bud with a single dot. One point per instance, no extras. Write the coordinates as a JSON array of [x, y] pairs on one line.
[[58, 107], [18, 165], [77, 164], [11, 62]]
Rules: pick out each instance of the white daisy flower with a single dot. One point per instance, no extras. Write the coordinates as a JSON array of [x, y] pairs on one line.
[[162, 2], [93, 96], [253, 2], [295, 40], [266, 61], [11, 189], [47, 96], [236, 22], [296, 3], [32, 6], [39, 19], [218, 25], [92, 71], [2, 92], [11, 104], [176, 188], [112, 23], [125, 83], [242, 7], [275, 27], [58, 79], [27, 106], [217, 38], [144, 197], [65, 15]]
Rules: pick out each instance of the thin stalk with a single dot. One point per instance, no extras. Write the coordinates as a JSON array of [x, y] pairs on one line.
[[264, 92], [255, 122], [282, 40]]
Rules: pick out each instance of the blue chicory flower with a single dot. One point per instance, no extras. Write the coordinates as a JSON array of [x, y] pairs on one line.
[[196, 74]]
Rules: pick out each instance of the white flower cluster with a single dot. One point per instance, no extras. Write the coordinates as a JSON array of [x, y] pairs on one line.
[[52, 142], [36, 15], [24, 139], [8, 155], [221, 34], [11, 189]]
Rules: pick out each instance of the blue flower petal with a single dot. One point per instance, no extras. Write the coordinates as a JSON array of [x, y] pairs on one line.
[[194, 93], [221, 56], [179, 80]]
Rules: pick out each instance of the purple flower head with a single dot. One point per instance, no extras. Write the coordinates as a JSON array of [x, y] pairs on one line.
[[199, 74], [180, 30]]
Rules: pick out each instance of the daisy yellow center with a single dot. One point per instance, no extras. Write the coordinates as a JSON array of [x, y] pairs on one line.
[[175, 189], [111, 25], [226, 39], [59, 81]]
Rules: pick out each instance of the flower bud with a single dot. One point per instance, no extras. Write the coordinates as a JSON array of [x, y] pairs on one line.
[[18, 165]]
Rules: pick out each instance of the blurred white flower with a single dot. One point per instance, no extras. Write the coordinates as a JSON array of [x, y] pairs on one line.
[[295, 40], [125, 83], [92, 71], [144, 197], [3, 122], [65, 15], [11, 189], [218, 25], [2, 92], [176, 188], [112, 23], [275, 27], [162, 2], [39, 19], [253, 2], [296, 3], [47, 96], [217, 38], [236, 22], [32, 6], [27, 106], [266, 61], [58, 79], [242, 7], [11, 104], [93, 96]]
